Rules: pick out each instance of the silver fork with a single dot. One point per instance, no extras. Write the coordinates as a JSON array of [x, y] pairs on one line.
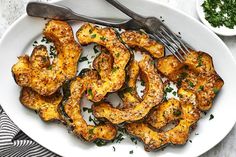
[[151, 25], [158, 29]]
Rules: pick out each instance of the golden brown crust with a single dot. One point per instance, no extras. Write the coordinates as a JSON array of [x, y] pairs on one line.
[[39, 57], [106, 37], [71, 108], [177, 135], [153, 97], [167, 112], [46, 107], [47, 79], [129, 95], [103, 63], [197, 73], [142, 40]]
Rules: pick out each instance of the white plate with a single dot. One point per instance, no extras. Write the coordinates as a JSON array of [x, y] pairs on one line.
[[54, 137], [219, 30]]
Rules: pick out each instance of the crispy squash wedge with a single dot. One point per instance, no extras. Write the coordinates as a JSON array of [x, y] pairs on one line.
[[199, 62], [46, 80], [197, 73], [167, 112], [178, 135], [129, 94], [72, 113], [45, 106], [106, 37], [141, 40], [153, 97]]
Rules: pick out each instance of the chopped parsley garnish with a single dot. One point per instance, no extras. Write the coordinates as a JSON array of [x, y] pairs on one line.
[[87, 109], [95, 49], [91, 131], [89, 92], [117, 55], [131, 152], [100, 143], [179, 82], [114, 69], [201, 88], [215, 90], [44, 39], [220, 12], [190, 141], [168, 89], [199, 60], [93, 36], [176, 112], [134, 140], [50, 67], [103, 38], [119, 138], [191, 84], [153, 62], [174, 93], [53, 51], [35, 43], [114, 148], [82, 59], [127, 90], [211, 117], [142, 83]]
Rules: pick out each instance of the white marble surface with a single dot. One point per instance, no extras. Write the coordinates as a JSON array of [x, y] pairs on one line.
[[10, 10]]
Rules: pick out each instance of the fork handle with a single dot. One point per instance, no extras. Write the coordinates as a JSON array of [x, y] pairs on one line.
[[53, 11], [127, 11]]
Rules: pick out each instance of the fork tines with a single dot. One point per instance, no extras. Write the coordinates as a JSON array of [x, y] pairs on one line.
[[172, 42]]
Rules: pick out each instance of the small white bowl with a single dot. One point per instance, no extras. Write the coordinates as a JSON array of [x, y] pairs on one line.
[[219, 30]]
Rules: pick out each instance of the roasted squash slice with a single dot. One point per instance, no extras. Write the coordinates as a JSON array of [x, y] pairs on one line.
[[48, 79], [197, 73], [167, 112], [129, 94], [72, 112], [153, 97], [178, 135], [199, 62], [141, 40], [106, 37], [45, 106]]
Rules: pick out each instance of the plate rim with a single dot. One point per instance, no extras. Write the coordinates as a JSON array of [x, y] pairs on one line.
[[158, 3]]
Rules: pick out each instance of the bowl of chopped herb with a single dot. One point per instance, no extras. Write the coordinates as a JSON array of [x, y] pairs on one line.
[[218, 15]]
